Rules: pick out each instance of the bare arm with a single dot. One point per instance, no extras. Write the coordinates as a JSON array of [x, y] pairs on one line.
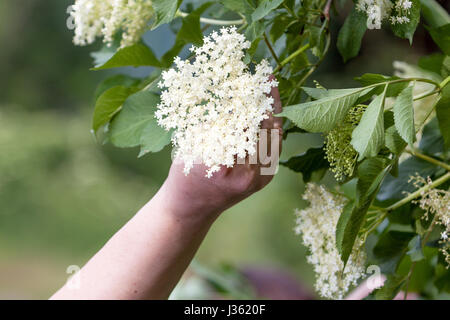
[[146, 258]]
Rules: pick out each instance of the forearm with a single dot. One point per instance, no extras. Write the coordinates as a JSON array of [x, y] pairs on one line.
[[147, 257]]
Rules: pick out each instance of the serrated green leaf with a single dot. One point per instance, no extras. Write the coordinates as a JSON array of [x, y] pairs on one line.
[[406, 30], [279, 26], [165, 11], [133, 56], [432, 62], [371, 173], [394, 188], [443, 114], [109, 103], [415, 249], [103, 55], [153, 138], [264, 8], [136, 114], [393, 89], [254, 31], [441, 37], [322, 115], [432, 141], [307, 163], [368, 136], [390, 249], [241, 6], [434, 14], [404, 115], [190, 31], [351, 34], [391, 287], [342, 223], [394, 142], [116, 80]]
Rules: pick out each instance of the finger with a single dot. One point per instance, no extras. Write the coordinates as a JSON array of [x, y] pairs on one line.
[[277, 107], [274, 122]]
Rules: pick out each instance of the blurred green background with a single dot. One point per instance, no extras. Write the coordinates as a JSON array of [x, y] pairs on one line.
[[62, 194]]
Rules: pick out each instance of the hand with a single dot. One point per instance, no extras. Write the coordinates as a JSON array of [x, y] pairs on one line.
[[197, 197]]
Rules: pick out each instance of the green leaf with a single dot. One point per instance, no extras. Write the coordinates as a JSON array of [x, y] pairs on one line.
[[406, 30], [264, 8], [116, 80], [279, 26], [394, 142], [307, 163], [390, 249], [109, 103], [432, 141], [441, 36], [443, 114], [136, 114], [368, 136], [351, 34], [136, 55], [165, 11], [190, 31], [394, 188], [241, 6], [415, 249], [254, 31], [322, 115], [432, 62], [393, 89], [153, 138], [103, 55], [371, 173], [391, 287], [404, 115], [342, 223], [434, 14]]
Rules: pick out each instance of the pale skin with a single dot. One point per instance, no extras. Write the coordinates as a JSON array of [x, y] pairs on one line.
[[146, 258]]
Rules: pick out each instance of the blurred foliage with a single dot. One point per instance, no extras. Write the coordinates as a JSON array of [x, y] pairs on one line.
[[62, 194]]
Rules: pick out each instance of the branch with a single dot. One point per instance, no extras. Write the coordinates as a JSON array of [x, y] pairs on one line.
[[214, 21], [419, 192], [274, 55]]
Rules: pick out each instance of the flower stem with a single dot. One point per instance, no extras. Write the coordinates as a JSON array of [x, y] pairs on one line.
[[417, 193], [214, 21], [422, 156], [274, 55], [427, 94], [445, 82], [291, 57]]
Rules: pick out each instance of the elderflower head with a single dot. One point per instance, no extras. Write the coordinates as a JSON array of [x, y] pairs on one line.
[[317, 225], [214, 103], [379, 10], [436, 202], [339, 152], [105, 18]]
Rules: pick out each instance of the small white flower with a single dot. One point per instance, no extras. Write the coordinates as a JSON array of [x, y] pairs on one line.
[[105, 18], [379, 10], [214, 103], [317, 225]]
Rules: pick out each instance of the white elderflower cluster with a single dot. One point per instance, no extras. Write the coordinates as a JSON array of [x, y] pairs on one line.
[[104, 18], [214, 103], [436, 202], [379, 10], [317, 225]]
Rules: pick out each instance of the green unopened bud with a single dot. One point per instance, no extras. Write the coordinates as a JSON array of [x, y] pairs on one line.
[[339, 152]]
